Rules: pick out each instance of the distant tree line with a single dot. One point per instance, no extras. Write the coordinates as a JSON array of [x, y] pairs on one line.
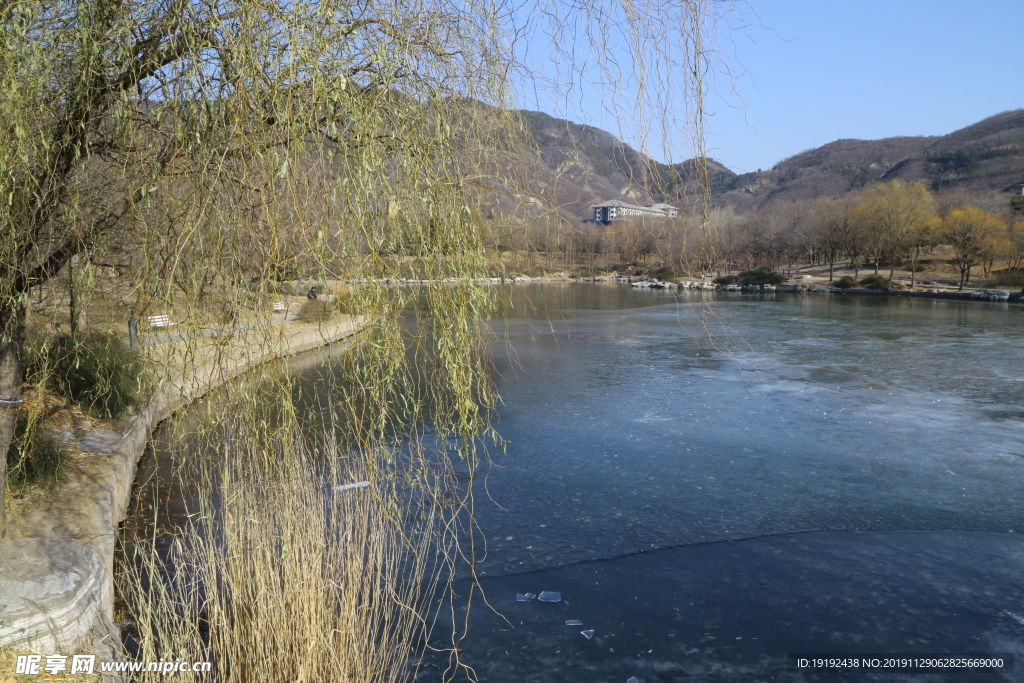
[[885, 227], [890, 226]]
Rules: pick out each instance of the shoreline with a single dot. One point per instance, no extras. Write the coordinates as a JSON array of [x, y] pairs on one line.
[[974, 295], [977, 295]]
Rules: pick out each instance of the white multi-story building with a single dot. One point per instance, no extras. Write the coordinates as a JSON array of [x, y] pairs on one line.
[[606, 212]]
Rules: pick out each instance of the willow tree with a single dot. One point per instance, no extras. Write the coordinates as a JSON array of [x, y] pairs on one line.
[[894, 212], [227, 142], [215, 143], [218, 146]]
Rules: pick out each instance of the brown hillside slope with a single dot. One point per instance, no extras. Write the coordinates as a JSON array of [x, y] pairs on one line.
[[986, 156], [574, 166], [582, 165]]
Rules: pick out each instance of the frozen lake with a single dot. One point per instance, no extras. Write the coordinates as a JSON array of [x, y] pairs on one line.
[[847, 477]]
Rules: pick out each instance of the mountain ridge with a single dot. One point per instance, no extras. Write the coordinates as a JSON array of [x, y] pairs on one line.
[[587, 165]]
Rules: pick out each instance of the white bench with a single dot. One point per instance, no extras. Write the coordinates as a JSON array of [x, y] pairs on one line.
[[280, 306], [160, 321]]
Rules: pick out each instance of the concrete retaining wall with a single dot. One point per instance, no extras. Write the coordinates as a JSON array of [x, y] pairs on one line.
[[57, 564], [52, 590]]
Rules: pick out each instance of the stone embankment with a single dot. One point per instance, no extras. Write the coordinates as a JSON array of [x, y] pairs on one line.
[[57, 556], [982, 295], [979, 295]]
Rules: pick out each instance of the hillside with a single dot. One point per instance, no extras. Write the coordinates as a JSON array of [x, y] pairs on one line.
[[581, 165]]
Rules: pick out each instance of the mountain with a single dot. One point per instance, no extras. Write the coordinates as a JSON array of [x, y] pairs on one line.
[[984, 157], [581, 165]]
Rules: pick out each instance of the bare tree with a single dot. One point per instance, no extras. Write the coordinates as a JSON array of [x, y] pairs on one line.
[[1015, 248], [831, 226], [188, 132]]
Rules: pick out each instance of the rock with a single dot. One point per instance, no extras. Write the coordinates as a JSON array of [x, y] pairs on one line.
[[52, 593]]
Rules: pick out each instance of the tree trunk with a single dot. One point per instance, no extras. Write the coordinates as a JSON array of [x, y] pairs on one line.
[[913, 267], [830, 265], [12, 338]]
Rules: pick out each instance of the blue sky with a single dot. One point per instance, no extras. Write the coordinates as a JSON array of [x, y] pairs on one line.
[[816, 71]]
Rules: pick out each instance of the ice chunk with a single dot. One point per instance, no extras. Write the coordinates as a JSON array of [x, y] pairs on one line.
[[521, 598], [356, 485], [531, 596], [550, 596], [573, 622], [587, 634], [633, 679], [508, 538]]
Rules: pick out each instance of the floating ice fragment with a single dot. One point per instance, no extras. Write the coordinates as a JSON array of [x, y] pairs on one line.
[[573, 622], [521, 598], [587, 634], [357, 485], [531, 596], [550, 596], [633, 679], [508, 538]]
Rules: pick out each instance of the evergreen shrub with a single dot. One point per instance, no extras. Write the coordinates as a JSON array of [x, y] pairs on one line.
[[96, 369]]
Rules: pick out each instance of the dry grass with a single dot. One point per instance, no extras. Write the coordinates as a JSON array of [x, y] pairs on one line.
[[286, 578], [57, 415]]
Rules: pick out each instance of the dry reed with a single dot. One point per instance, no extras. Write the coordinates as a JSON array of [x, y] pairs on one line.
[[290, 574]]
